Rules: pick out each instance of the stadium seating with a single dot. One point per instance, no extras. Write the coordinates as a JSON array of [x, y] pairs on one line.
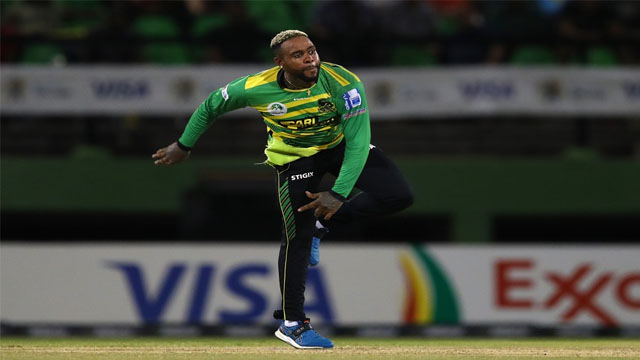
[[164, 46]]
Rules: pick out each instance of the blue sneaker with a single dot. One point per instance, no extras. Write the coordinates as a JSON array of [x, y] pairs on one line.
[[302, 336], [314, 256]]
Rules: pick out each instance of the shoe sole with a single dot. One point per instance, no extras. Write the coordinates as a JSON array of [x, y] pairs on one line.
[[311, 263], [290, 341]]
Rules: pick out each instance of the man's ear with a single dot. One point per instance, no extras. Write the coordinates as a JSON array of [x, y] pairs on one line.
[[277, 61]]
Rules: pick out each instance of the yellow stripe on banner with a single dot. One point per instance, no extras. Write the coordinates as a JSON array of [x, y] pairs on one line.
[[423, 299], [409, 313], [342, 81], [262, 78]]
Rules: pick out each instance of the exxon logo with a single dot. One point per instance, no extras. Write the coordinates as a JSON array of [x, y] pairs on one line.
[[487, 89], [121, 89]]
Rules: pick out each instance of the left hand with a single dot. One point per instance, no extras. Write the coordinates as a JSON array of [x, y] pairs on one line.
[[324, 203], [170, 155]]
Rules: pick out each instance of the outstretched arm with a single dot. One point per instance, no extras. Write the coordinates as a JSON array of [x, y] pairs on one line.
[[223, 100]]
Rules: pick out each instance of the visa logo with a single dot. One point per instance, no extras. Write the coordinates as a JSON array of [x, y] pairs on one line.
[[121, 89], [251, 304]]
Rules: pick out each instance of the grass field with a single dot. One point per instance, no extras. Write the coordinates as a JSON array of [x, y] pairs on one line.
[[346, 348]]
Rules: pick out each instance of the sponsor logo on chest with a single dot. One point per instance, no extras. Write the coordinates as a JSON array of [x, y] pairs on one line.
[[298, 124]]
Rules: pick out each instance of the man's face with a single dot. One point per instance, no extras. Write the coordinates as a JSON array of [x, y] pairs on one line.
[[299, 58]]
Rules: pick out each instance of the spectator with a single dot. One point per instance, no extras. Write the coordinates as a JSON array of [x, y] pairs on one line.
[[412, 40], [625, 31], [372, 32], [240, 25], [518, 32], [354, 23], [461, 25], [583, 23]]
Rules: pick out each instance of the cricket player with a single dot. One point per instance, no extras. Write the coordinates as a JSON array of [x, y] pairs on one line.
[[317, 122]]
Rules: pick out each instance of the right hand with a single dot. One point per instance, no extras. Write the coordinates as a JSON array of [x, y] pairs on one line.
[[170, 155], [324, 203]]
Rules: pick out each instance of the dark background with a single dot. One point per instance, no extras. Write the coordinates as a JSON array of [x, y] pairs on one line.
[[241, 206]]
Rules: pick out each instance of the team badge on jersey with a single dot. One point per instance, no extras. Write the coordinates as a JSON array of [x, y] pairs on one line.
[[326, 106], [352, 99], [277, 108]]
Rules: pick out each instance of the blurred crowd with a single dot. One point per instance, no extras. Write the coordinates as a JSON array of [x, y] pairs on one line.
[[353, 33]]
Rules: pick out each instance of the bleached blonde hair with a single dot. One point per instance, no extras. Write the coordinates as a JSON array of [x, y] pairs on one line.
[[285, 35]]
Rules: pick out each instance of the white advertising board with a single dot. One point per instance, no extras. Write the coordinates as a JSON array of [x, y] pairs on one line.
[[375, 284], [391, 92]]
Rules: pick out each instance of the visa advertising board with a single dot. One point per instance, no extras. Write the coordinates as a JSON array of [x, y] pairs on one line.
[[140, 284], [391, 93]]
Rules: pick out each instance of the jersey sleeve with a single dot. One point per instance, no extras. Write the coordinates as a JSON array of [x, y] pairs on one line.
[[228, 98], [357, 136]]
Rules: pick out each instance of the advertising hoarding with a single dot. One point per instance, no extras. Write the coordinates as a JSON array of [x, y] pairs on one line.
[[141, 284]]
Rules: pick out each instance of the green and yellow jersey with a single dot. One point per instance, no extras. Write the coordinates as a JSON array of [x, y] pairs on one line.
[[300, 123]]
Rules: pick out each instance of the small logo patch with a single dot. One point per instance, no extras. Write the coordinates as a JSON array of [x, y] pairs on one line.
[[225, 94], [302, 176], [355, 113], [277, 108], [326, 106], [352, 99]]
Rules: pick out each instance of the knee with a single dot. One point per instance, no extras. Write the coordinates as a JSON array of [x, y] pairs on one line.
[[402, 201], [406, 200]]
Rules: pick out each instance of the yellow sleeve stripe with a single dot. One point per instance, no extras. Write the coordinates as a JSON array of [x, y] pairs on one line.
[[262, 78], [352, 74], [343, 69], [342, 81]]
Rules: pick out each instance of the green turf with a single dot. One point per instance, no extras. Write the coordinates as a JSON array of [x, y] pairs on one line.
[[346, 348]]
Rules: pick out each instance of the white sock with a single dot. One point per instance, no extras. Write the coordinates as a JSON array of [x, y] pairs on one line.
[[288, 323]]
